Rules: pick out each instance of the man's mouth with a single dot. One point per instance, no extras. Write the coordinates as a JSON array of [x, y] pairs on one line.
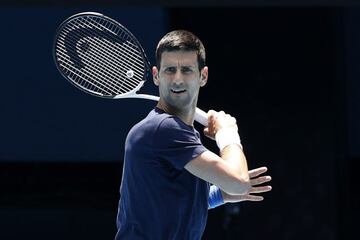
[[178, 91]]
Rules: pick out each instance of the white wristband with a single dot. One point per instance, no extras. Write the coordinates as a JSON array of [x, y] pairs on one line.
[[225, 137]]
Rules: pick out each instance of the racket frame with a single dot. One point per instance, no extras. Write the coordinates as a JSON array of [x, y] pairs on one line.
[[129, 94]]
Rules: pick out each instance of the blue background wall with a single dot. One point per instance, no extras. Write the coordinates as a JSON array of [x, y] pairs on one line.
[[44, 119]]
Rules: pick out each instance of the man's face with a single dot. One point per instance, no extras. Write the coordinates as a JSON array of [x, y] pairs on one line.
[[179, 78]]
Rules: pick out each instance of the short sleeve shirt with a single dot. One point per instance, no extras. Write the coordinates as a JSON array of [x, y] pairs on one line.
[[159, 198]]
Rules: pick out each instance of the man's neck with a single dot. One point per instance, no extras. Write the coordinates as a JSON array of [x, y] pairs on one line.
[[186, 115]]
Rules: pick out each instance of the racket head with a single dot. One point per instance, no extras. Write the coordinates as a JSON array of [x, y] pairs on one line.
[[100, 56]]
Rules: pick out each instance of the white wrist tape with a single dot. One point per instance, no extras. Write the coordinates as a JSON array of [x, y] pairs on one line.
[[225, 137]]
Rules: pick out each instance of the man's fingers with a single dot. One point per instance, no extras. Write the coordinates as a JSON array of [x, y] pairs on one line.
[[212, 114], [206, 131], [253, 198], [260, 180], [257, 171], [241, 198], [260, 189]]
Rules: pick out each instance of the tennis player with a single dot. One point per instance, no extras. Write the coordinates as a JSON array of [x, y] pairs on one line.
[[170, 179]]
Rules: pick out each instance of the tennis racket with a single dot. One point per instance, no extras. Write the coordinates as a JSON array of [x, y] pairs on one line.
[[101, 57]]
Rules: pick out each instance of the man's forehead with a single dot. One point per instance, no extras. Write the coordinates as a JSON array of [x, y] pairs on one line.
[[179, 57]]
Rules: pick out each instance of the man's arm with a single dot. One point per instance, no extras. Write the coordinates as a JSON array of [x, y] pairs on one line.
[[228, 171], [213, 169]]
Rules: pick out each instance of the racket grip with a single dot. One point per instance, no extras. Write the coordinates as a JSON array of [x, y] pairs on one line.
[[201, 117]]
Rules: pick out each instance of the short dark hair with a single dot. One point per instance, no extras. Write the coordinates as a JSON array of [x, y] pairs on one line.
[[181, 40]]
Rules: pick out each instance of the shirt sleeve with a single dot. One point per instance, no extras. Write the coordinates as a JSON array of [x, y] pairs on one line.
[[177, 143]]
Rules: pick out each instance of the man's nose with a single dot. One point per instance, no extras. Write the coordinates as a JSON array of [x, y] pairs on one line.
[[178, 78]]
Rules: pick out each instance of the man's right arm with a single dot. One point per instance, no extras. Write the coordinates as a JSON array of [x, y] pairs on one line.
[[228, 171]]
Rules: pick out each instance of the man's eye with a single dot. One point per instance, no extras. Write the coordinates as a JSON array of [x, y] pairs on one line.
[[186, 70], [170, 70]]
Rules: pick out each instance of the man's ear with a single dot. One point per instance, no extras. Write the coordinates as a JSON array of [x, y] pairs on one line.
[[155, 74], [204, 76]]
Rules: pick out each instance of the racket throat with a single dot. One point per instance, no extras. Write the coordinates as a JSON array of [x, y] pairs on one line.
[[142, 96]]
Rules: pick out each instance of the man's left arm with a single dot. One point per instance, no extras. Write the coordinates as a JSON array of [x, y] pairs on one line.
[[218, 197]]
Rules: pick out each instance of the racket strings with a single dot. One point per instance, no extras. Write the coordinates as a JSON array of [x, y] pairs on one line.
[[135, 59], [106, 63], [85, 78], [104, 71], [106, 68]]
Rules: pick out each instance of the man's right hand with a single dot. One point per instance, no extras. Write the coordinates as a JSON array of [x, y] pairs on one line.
[[219, 121]]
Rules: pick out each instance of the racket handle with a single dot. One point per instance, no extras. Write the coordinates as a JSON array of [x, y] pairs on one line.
[[201, 117]]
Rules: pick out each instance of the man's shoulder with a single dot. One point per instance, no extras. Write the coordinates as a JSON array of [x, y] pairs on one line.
[[158, 118], [152, 121]]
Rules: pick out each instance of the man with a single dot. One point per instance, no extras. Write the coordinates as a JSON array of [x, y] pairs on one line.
[[165, 190]]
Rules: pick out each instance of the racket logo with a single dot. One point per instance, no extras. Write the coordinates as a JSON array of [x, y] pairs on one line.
[[84, 47], [130, 73], [82, 38]]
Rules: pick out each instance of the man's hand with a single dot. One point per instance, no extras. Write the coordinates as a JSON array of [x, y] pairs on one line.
[[254, 181], [218, 121]]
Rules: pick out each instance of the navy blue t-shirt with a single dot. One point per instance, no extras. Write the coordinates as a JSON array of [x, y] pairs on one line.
[[159, 198]]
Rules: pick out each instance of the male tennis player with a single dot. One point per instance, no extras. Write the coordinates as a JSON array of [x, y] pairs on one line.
[[165, 189]]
